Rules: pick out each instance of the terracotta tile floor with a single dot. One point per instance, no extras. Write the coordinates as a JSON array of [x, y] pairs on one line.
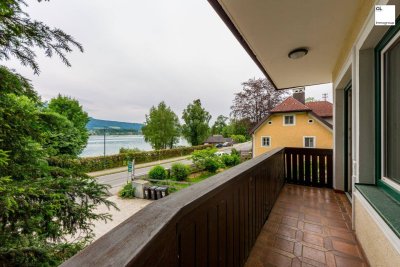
[[308, 227]]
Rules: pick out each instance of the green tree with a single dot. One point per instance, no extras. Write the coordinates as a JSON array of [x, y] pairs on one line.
[[206, 159], [20, 34], [196, 128], [60, 136], [219, 125], [310, 99], [40, 203], [237, 127], [161, 129], [73, 111], [12, 82]]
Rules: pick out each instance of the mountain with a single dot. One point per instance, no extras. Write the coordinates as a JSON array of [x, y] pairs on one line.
[[95, 125]]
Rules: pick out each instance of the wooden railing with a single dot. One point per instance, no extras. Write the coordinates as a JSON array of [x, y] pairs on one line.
[[212, 223], [309, 166]]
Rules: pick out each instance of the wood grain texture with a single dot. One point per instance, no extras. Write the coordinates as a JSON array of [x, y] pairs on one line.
[[309, 166], [213, 223]]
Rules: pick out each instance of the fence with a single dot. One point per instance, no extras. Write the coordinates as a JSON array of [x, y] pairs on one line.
[[309, 166]]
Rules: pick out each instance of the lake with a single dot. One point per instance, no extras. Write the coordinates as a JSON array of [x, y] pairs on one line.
[[95, 146]]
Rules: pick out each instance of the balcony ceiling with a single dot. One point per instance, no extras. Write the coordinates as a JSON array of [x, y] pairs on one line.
[[272, 28]]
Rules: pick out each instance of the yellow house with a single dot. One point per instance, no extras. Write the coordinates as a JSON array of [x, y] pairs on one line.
[[294, 123]]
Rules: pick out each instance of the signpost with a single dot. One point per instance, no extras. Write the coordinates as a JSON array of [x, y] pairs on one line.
[[131, 170]]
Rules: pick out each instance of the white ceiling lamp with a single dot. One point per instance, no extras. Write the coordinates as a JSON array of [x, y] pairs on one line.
[[298, 53]]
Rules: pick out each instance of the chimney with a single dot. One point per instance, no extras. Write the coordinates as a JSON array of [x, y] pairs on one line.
[[299, 94]]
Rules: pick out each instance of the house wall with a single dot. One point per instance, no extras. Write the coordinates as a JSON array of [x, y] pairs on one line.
[[380, 244], [339, 136], [291, 136], [352, 36], [376, 241]]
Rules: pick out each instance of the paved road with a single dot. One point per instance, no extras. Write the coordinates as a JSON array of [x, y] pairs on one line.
[[116, 180]]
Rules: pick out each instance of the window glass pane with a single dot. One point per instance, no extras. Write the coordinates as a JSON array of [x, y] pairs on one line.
[[266, 141], [309, 142], [289, 120], [392, 113]]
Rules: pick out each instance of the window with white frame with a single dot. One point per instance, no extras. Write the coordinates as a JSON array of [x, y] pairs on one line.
[[266, 141], [289, 120], [309, 141], [390, 110]]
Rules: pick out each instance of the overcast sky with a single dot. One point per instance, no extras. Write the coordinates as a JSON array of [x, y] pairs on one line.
[[138, 53]]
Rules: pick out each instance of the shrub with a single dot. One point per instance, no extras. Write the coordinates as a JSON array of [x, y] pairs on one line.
[[91, 164], [158, 173], [234, 151], [238, 138], [180, 171], [124, 150], [206, 159], [212, 164], [128, 191], [230, 160]]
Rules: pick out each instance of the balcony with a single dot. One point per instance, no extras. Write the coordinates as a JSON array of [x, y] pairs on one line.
[[256, 214]]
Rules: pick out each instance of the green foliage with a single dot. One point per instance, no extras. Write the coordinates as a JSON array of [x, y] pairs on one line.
[[206, 159], [20, 35], [237, 127], [219, 125], [127, 191], [196, 118], [14, 83], [310, 99], [73, 111], [161, 129], [235, 152], [230, 160], [158, 173], [180, 171], [60, 135], [124, 150], [212, 164], [91, 164], [238, 138], [41, 203]]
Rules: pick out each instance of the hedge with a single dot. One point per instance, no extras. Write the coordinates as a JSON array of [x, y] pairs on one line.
[[91, 164]]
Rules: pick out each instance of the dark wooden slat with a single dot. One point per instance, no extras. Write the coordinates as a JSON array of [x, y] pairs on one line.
[[307, 171], [236, 231], [230, 237], [212, 223], [295, 170], [242, 215], [187, 250], [289, 168], [247, 243], [222, 233], [329, 175], [212, 232], [201, 240], [314, 170], [322, 171], [301, 169]]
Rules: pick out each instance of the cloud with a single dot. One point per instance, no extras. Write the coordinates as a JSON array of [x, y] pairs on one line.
[[138, 53]]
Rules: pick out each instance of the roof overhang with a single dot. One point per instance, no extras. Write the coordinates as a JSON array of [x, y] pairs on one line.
[[270, 29]]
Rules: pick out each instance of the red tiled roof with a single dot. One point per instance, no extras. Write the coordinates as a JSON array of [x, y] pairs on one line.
[[290, 105], [321, 108]]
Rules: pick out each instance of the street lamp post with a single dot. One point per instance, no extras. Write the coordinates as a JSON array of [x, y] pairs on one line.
[[104, 142]]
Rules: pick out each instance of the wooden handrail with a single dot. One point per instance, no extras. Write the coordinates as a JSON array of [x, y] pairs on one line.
[[214, 222]]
